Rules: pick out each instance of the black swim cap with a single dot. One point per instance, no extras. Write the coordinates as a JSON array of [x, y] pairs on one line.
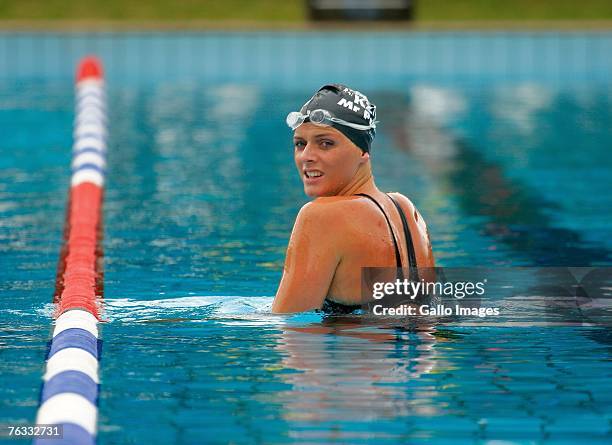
[[348, 105]]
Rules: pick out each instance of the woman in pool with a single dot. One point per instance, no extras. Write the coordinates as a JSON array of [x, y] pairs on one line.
[[350, 224]]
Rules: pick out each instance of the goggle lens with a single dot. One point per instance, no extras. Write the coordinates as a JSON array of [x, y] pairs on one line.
[[295, 119], [318, 117]]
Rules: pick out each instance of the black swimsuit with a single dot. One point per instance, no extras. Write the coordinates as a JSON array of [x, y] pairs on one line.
[[333, 307]]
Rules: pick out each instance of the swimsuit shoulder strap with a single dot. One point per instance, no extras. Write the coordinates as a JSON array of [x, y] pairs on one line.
[[398, 257], [414, 273]]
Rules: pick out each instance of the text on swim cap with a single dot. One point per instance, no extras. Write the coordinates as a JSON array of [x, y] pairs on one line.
[[351, 106]]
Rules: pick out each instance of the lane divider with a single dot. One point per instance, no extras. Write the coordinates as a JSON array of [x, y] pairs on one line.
[[69, 395]]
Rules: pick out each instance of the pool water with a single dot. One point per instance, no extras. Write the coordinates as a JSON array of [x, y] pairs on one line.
[[200, 200]]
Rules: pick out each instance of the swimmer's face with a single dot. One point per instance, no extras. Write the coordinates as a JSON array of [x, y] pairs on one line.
[[326, 159]]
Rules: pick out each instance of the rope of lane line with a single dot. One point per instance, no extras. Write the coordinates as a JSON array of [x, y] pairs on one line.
[[69, 395]]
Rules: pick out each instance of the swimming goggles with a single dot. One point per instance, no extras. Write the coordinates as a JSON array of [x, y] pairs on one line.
[[322, 118]]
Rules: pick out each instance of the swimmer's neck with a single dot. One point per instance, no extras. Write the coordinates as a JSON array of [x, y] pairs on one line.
[[363, 182]]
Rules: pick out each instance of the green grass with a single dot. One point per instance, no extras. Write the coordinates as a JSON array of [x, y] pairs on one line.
[[434, 10], [293, 10], [171, 10]]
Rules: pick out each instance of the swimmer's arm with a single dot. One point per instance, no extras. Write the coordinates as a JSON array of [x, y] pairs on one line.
[[312, 258]]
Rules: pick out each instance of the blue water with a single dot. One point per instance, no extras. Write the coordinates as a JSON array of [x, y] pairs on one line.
[[200, 200]]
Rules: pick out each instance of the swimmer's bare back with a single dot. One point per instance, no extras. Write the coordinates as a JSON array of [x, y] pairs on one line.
[[334, 238]]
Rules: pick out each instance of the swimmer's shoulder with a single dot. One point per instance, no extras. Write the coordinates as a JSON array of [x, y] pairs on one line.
[[331, 203], [319, 210], [331, 213], [325, 223], [333, 208]]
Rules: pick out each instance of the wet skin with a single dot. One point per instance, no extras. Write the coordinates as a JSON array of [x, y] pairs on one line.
[[337, 234]]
